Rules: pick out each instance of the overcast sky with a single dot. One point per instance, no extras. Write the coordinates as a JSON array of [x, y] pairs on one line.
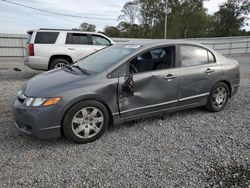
[[15, 19]]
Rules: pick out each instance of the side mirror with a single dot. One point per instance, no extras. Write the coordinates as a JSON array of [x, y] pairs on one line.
[[128, 86]]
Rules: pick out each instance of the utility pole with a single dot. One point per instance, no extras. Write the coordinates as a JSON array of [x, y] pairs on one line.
[[166, 21], [167, 11]]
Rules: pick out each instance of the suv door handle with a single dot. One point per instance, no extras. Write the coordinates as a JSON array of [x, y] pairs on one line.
[[170, 77], [71, 48], [208, 70]]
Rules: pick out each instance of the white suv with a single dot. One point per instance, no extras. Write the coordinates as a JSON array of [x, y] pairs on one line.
[[52, 48]]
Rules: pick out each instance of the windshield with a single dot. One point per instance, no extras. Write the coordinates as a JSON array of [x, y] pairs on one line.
[[107, 57]]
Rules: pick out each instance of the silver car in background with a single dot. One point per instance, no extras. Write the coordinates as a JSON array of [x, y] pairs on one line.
[[52, 48]]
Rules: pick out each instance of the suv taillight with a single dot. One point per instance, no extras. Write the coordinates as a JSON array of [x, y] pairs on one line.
[[31, 50]]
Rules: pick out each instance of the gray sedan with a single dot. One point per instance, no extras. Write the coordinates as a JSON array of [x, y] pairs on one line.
[[122, 83]]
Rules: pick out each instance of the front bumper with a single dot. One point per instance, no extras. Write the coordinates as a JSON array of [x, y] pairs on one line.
[[41, 122]]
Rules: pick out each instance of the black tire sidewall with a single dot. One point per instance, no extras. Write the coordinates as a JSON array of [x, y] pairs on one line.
[[210, 105], [56, 61], [67, 128]]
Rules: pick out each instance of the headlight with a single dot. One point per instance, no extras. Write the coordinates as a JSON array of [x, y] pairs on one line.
[[32, 101], [41, 101]]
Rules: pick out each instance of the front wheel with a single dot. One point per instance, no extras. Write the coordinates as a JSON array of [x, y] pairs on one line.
[[86, 121], [218, 97]]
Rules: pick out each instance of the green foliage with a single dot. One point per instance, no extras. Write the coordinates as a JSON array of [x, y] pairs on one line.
[[112, 31], [188, 19], [87, 27], [230, 18], [128, 30]]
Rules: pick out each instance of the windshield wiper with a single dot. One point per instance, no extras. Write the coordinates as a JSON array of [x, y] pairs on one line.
[[68, 67], [84, 71]]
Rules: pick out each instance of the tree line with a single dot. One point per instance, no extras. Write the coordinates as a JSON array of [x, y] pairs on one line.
[[185, 19]]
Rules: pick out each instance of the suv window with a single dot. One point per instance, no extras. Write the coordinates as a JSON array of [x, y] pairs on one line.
[[77, 38], [46, 37], [156, 59], [193, 55], [99, 40]]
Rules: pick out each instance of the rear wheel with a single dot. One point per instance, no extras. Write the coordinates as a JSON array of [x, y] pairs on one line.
[[218, 97], [58, 63], [86, 121]]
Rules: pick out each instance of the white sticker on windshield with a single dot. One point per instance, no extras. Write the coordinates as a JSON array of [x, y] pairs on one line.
[[133, 46]]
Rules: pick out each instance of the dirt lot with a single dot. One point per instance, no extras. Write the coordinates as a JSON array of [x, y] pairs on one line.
[[191, 148]]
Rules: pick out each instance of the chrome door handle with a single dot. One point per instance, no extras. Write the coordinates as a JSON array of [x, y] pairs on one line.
[[208, 70], [71, 48]]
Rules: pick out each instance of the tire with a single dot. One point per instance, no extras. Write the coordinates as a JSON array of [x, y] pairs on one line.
[[218, 97], [57, 63], [85, 121]]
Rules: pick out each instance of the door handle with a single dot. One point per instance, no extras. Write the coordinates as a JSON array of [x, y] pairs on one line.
[[71, 48], [208, 70], [170, 77]]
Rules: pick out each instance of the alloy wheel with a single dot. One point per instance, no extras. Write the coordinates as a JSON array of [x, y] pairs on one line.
[[87, 122], [59, 65], [219, 97]]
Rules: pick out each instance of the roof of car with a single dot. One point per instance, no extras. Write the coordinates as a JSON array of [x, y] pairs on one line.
[[158, 41], [153, 42]]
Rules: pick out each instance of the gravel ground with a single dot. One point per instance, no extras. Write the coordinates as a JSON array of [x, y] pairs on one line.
[[191, 148]]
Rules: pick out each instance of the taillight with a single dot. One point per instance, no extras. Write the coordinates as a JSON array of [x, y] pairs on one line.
[[31, 50]]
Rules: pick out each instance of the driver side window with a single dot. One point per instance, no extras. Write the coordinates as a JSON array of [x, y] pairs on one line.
[[156, 59]]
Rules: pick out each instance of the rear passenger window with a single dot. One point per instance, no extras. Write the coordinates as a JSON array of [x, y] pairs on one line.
[[99, 40], [192, 56], [77, 38], [46, 37]]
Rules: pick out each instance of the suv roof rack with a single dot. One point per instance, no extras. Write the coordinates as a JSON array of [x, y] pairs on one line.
[[75, 29]]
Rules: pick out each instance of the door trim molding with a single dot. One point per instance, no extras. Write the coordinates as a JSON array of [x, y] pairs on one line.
[[194, 96], [160, 104], [149, 106]]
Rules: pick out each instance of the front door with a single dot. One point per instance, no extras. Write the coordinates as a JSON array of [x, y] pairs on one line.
[[154, 79], [99, 42], [78, 45]]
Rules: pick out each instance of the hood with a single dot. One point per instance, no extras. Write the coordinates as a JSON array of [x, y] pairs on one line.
[[51, 83]]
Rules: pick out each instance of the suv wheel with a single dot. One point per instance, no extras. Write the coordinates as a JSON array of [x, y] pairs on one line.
[[218, 97], [86, 121], [58, 63]]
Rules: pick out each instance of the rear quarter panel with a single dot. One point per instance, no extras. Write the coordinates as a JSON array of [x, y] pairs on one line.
[[230, 69]]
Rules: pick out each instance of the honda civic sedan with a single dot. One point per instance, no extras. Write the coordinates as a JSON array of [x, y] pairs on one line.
[[121, 83]]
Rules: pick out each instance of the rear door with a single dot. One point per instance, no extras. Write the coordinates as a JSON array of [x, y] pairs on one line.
[[198, 73], [78, 45], [155, 82]]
